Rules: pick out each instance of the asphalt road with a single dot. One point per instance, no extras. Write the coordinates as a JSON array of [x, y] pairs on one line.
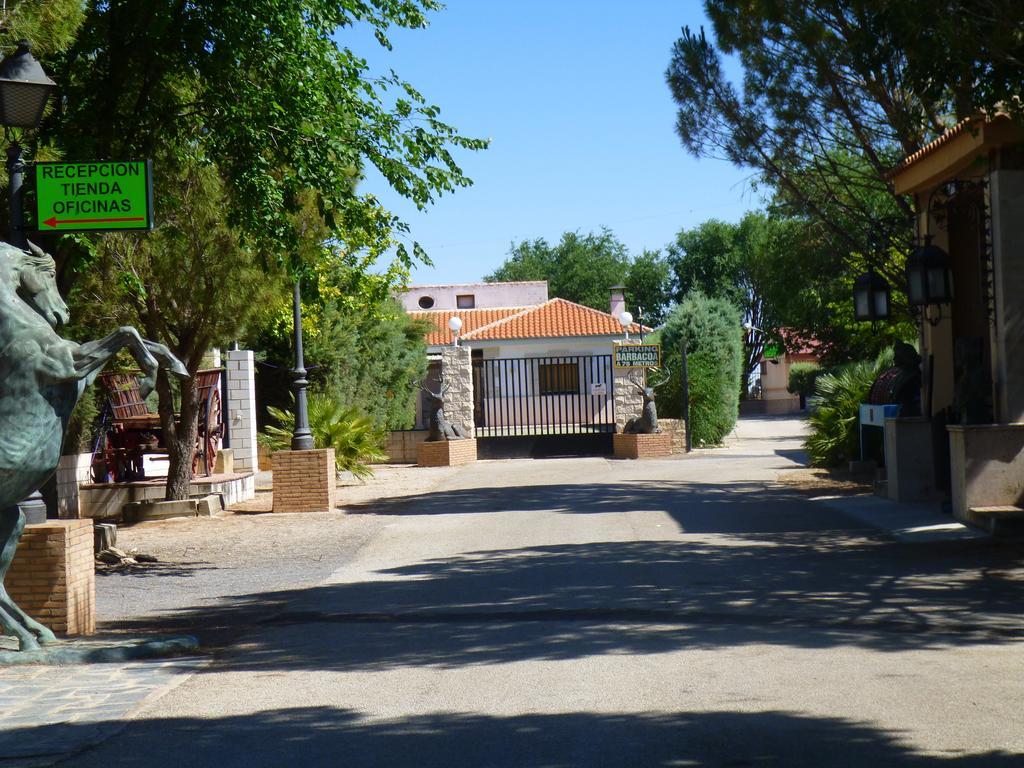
[[587, 612]]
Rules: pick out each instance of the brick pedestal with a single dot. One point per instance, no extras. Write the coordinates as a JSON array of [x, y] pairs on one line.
[[653, 446], [53, 576], [446, 453], [304, 481]]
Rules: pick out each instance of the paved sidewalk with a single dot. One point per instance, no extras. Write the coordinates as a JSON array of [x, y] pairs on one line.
[[97, 699], [907, 522]]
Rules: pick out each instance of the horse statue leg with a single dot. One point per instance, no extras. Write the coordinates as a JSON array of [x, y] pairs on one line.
[[14, 621], [91, 356]]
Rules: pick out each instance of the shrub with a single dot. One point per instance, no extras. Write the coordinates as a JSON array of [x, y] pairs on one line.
[[835, 407], [356, 440], [711, 330], [802, 377]]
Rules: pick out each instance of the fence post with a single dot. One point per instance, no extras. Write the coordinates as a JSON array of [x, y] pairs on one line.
[[457, 375], [241, 409]]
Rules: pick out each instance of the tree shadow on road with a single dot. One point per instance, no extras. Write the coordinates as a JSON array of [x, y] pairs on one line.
[[321, 736], [775, 575]]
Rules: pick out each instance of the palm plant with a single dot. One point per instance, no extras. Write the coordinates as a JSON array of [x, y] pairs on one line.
[[835, 409], [356, 440]]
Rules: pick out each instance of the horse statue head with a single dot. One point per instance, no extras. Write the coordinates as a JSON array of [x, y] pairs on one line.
[[32, 275]]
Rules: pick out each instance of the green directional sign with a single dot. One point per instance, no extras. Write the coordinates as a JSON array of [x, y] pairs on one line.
[[772, 350], [94, 196]]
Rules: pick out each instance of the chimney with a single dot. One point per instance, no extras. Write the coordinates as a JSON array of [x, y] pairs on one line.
[[618, 302]]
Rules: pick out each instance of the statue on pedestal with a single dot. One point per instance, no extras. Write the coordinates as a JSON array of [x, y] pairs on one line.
[[42, 376]]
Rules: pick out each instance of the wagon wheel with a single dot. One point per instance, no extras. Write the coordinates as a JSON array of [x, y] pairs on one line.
[[214, 430]]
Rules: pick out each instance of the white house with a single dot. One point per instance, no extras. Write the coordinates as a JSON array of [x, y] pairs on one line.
[[540, 364]]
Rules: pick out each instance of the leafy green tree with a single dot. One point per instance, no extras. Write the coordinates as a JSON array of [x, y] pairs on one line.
[[191, 284], [579, 268], [283, 116], [649, 286], [362, 349], [582, 268], [710, 329], [826, 108]]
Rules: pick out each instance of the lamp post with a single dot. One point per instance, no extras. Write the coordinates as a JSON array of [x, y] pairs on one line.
[[626, 320], [302, 438], [24, 91], [455, 325]]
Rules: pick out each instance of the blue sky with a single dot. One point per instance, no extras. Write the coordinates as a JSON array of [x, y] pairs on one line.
[[572, 95]]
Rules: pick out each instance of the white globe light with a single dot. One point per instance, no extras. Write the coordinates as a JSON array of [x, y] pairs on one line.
[[455, 323], [626, 319]]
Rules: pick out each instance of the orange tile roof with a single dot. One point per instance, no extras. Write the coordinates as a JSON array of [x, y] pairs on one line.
[[555, 318], [471, 320], [934, 144]]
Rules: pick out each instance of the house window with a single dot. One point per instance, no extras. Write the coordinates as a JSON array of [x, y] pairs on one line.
[[466, 301], [426, 302], [559, 378]]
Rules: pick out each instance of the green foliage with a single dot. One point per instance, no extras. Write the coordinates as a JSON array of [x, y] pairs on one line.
[[360, 346], [579, 268], [648, 287], [802, 378], [710, 328], [582, 268], [356, 440], [834, 437], [270, 98]]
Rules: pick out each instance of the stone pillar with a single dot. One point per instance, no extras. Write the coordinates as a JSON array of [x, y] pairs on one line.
[[629, 401], [53, 576], [1007, 201], [457, 376], [241, 409]]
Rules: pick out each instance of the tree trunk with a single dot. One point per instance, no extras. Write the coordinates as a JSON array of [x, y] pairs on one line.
[[179, 434]]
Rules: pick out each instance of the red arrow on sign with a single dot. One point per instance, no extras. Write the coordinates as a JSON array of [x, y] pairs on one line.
[[53, 221]]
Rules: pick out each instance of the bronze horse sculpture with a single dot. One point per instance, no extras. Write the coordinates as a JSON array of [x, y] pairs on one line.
[[42, 376]]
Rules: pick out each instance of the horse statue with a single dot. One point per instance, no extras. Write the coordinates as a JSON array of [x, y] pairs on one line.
[[42, 376]]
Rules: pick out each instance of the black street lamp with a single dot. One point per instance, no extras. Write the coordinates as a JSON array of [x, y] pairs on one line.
[[24, 91], [871, 297], [929, 275], [302, 438]]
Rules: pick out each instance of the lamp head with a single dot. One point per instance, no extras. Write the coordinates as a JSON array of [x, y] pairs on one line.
[[625, 319]]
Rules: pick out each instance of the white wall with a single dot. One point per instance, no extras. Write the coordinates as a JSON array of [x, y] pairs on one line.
[[486, 295]]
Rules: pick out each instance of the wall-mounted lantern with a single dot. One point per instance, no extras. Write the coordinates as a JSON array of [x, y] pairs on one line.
[[871, 296], [929, 275]]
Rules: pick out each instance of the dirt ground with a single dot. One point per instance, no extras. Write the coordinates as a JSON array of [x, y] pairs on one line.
[[248, 533], [825, 482]]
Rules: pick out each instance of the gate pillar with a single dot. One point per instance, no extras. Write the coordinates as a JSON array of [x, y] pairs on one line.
[[457, 376], [629, 402]]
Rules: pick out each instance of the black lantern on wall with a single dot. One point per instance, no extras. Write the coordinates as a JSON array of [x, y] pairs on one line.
[[929, 275], [871, 297]]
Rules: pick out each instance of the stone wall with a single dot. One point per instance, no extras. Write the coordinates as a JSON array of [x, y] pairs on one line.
[[676, 429], [240, 409], [629, 402], [402, 444], [53, 576], [457, 376], [304, 481]]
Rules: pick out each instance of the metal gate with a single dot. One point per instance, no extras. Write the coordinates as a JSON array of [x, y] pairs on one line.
[[564, 395]]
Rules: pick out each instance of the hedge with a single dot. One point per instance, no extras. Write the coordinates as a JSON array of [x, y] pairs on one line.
[[711, 329]]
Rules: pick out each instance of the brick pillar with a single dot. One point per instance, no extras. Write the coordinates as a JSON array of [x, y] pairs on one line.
[[53, 576], [304, 481], [629, 402], [457, 375], [241, 409]]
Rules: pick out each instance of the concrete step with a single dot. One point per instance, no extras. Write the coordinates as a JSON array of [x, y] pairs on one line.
[[1001, 520]]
